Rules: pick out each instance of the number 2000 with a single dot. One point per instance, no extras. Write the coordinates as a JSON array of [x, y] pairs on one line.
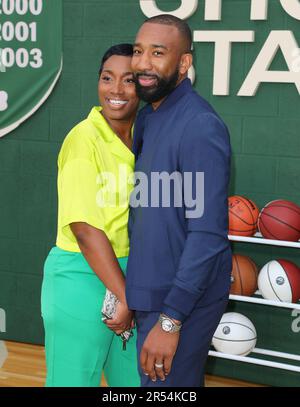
[[21, 7]]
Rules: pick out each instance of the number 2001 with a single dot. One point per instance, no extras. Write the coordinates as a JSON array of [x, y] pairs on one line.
[[21, 31]]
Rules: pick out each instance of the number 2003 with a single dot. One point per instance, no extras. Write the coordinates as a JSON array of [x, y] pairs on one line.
[[21, 57]]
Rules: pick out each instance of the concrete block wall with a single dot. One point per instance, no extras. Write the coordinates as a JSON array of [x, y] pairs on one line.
[[264, 133]]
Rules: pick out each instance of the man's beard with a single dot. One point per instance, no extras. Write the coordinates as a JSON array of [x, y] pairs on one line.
[[155, 93]]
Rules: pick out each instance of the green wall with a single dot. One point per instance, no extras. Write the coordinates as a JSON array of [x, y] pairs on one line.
[[265, 140]]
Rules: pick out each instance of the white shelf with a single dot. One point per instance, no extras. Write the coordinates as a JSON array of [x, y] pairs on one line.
[[263, 301], [261, 362], [257, 238]]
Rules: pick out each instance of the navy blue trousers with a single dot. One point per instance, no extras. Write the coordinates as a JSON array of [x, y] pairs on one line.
[[188, 365]]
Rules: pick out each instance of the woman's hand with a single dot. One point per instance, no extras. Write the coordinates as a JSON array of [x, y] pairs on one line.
[[122, 320]]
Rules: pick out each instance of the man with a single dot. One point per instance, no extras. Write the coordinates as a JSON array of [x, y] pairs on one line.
[[178, 274]]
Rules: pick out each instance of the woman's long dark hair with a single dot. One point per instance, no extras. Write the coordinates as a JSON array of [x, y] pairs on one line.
[[125, 50]]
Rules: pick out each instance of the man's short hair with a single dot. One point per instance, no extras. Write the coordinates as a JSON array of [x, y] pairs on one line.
[[181, 25]]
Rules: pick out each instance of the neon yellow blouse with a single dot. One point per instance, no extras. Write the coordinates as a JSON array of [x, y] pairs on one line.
[[95, 178]]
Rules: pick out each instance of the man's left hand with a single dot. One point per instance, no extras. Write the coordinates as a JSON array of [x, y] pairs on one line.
[[159, 348]]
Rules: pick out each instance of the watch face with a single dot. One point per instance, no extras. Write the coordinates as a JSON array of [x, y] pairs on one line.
[[166, 325]]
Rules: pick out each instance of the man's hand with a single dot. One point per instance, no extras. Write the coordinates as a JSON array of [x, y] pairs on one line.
[[160, 348], [123, 319]]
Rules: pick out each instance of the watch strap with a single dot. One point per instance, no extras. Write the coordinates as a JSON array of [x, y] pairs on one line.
[[175, 327]]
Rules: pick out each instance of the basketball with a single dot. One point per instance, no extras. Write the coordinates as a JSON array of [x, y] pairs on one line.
[[280, 220], [279, 280], [243, 215], [243, 276], [235, 335]]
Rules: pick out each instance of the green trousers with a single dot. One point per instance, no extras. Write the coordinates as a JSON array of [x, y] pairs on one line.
[[78, 345]]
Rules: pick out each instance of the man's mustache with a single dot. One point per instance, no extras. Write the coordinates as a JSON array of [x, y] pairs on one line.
[[146, 74]]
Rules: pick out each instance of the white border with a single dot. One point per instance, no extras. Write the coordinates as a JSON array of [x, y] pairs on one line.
[[13, 126]]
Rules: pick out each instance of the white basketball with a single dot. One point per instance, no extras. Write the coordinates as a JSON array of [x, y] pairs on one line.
[[273, 283], [235, 335]]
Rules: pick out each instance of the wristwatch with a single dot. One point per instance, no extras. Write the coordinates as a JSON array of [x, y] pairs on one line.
[[168, 325]]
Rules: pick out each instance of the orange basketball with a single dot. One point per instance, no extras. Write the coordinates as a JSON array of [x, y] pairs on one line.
[[244, 276], [280, 220], [243, 215]]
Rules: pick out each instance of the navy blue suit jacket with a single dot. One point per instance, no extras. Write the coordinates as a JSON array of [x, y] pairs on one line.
[[177, 263]]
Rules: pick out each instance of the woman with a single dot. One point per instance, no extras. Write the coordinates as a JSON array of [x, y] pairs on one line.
[[92, 242]]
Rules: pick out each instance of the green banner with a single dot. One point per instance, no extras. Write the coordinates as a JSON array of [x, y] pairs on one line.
[[30, 57]]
